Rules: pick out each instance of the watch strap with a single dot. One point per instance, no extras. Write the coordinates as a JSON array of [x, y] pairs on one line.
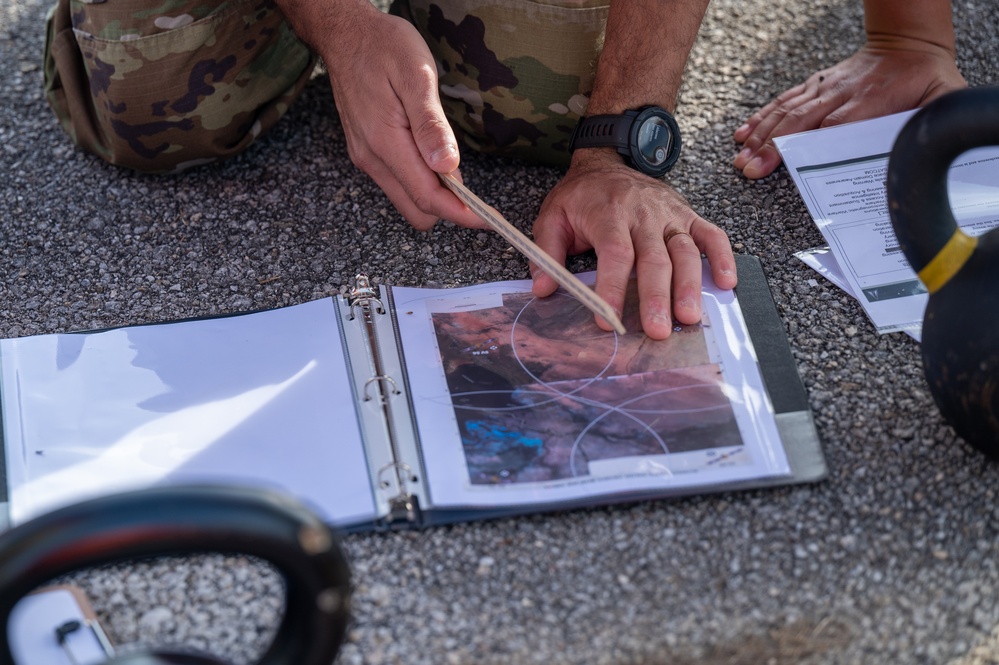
[[602, 131]]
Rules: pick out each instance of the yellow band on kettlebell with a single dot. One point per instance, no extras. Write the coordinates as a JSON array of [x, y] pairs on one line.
[[948, 261]]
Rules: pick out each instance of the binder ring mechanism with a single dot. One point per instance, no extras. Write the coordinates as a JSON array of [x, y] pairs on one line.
[[362, 294], [404, 506]]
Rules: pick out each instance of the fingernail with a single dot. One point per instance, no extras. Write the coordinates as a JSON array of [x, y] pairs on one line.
[[754, 166], [660, 317], [689, 303], [447, 153], [742, 128], [658, 313]]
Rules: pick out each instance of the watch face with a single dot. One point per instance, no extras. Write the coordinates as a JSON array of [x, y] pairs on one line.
[[655, 141]]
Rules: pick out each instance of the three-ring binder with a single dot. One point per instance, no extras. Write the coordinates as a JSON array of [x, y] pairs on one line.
[[364, 405]]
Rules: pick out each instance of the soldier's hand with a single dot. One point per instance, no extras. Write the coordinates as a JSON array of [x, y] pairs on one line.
[[385, 87], [636, 222], [879, 79]]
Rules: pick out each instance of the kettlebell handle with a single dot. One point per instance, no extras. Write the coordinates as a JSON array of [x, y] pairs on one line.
[[918, 203], [183, 520]]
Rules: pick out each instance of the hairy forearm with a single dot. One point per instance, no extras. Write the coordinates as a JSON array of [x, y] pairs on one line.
[[927, 21], [645, 51], [316, 21]]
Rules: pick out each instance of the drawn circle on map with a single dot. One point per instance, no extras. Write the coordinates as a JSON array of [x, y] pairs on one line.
[[539, 336]]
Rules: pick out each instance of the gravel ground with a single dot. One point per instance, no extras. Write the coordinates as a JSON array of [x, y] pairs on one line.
[[892, 559]]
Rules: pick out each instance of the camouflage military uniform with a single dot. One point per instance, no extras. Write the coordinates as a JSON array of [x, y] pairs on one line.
[[162, 86], [515, 75]]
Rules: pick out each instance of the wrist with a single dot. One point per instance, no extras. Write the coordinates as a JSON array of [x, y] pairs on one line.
[[605, 162], [910, 25], [321, 24], [591, 159], [881, 42]]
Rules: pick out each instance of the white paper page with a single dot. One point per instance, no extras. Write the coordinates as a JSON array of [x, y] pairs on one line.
[[840, 173], [32, 631], [259, 399], [526, 401], [822, 261]]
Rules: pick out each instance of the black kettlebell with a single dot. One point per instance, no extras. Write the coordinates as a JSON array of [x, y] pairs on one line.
[[960, 336], [186, 520]]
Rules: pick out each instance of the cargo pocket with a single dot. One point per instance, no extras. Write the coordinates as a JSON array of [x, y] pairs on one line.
[[170, 92]]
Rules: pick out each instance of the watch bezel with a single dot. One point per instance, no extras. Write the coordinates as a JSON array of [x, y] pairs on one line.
[[637, 158]]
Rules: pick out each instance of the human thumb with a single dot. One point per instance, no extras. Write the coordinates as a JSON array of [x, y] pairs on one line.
[[437, 144]]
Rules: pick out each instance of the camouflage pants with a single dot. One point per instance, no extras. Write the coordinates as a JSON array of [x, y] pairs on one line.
[[163, 86]]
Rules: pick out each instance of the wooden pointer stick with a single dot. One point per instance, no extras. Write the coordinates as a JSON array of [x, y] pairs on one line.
[[526, 246]]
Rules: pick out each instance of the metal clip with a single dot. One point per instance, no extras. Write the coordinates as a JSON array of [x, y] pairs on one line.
[[362, 294], [404, 506]]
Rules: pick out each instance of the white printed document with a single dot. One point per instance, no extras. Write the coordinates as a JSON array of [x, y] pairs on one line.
[[840, 173]]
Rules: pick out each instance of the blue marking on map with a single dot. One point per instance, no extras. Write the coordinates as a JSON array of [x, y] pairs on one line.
[[495, 454], [490, 439]]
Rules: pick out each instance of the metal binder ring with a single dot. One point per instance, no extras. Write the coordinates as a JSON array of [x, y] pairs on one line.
[[365, 306], [395, 387], [403, 473]]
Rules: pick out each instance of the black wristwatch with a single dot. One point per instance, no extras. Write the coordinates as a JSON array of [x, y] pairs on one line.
[[649, 138]]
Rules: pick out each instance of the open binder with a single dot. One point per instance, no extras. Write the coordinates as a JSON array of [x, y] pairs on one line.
[[398, 407]]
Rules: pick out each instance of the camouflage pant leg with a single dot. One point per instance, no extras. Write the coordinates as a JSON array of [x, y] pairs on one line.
[[515, 75], [161, 86]]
